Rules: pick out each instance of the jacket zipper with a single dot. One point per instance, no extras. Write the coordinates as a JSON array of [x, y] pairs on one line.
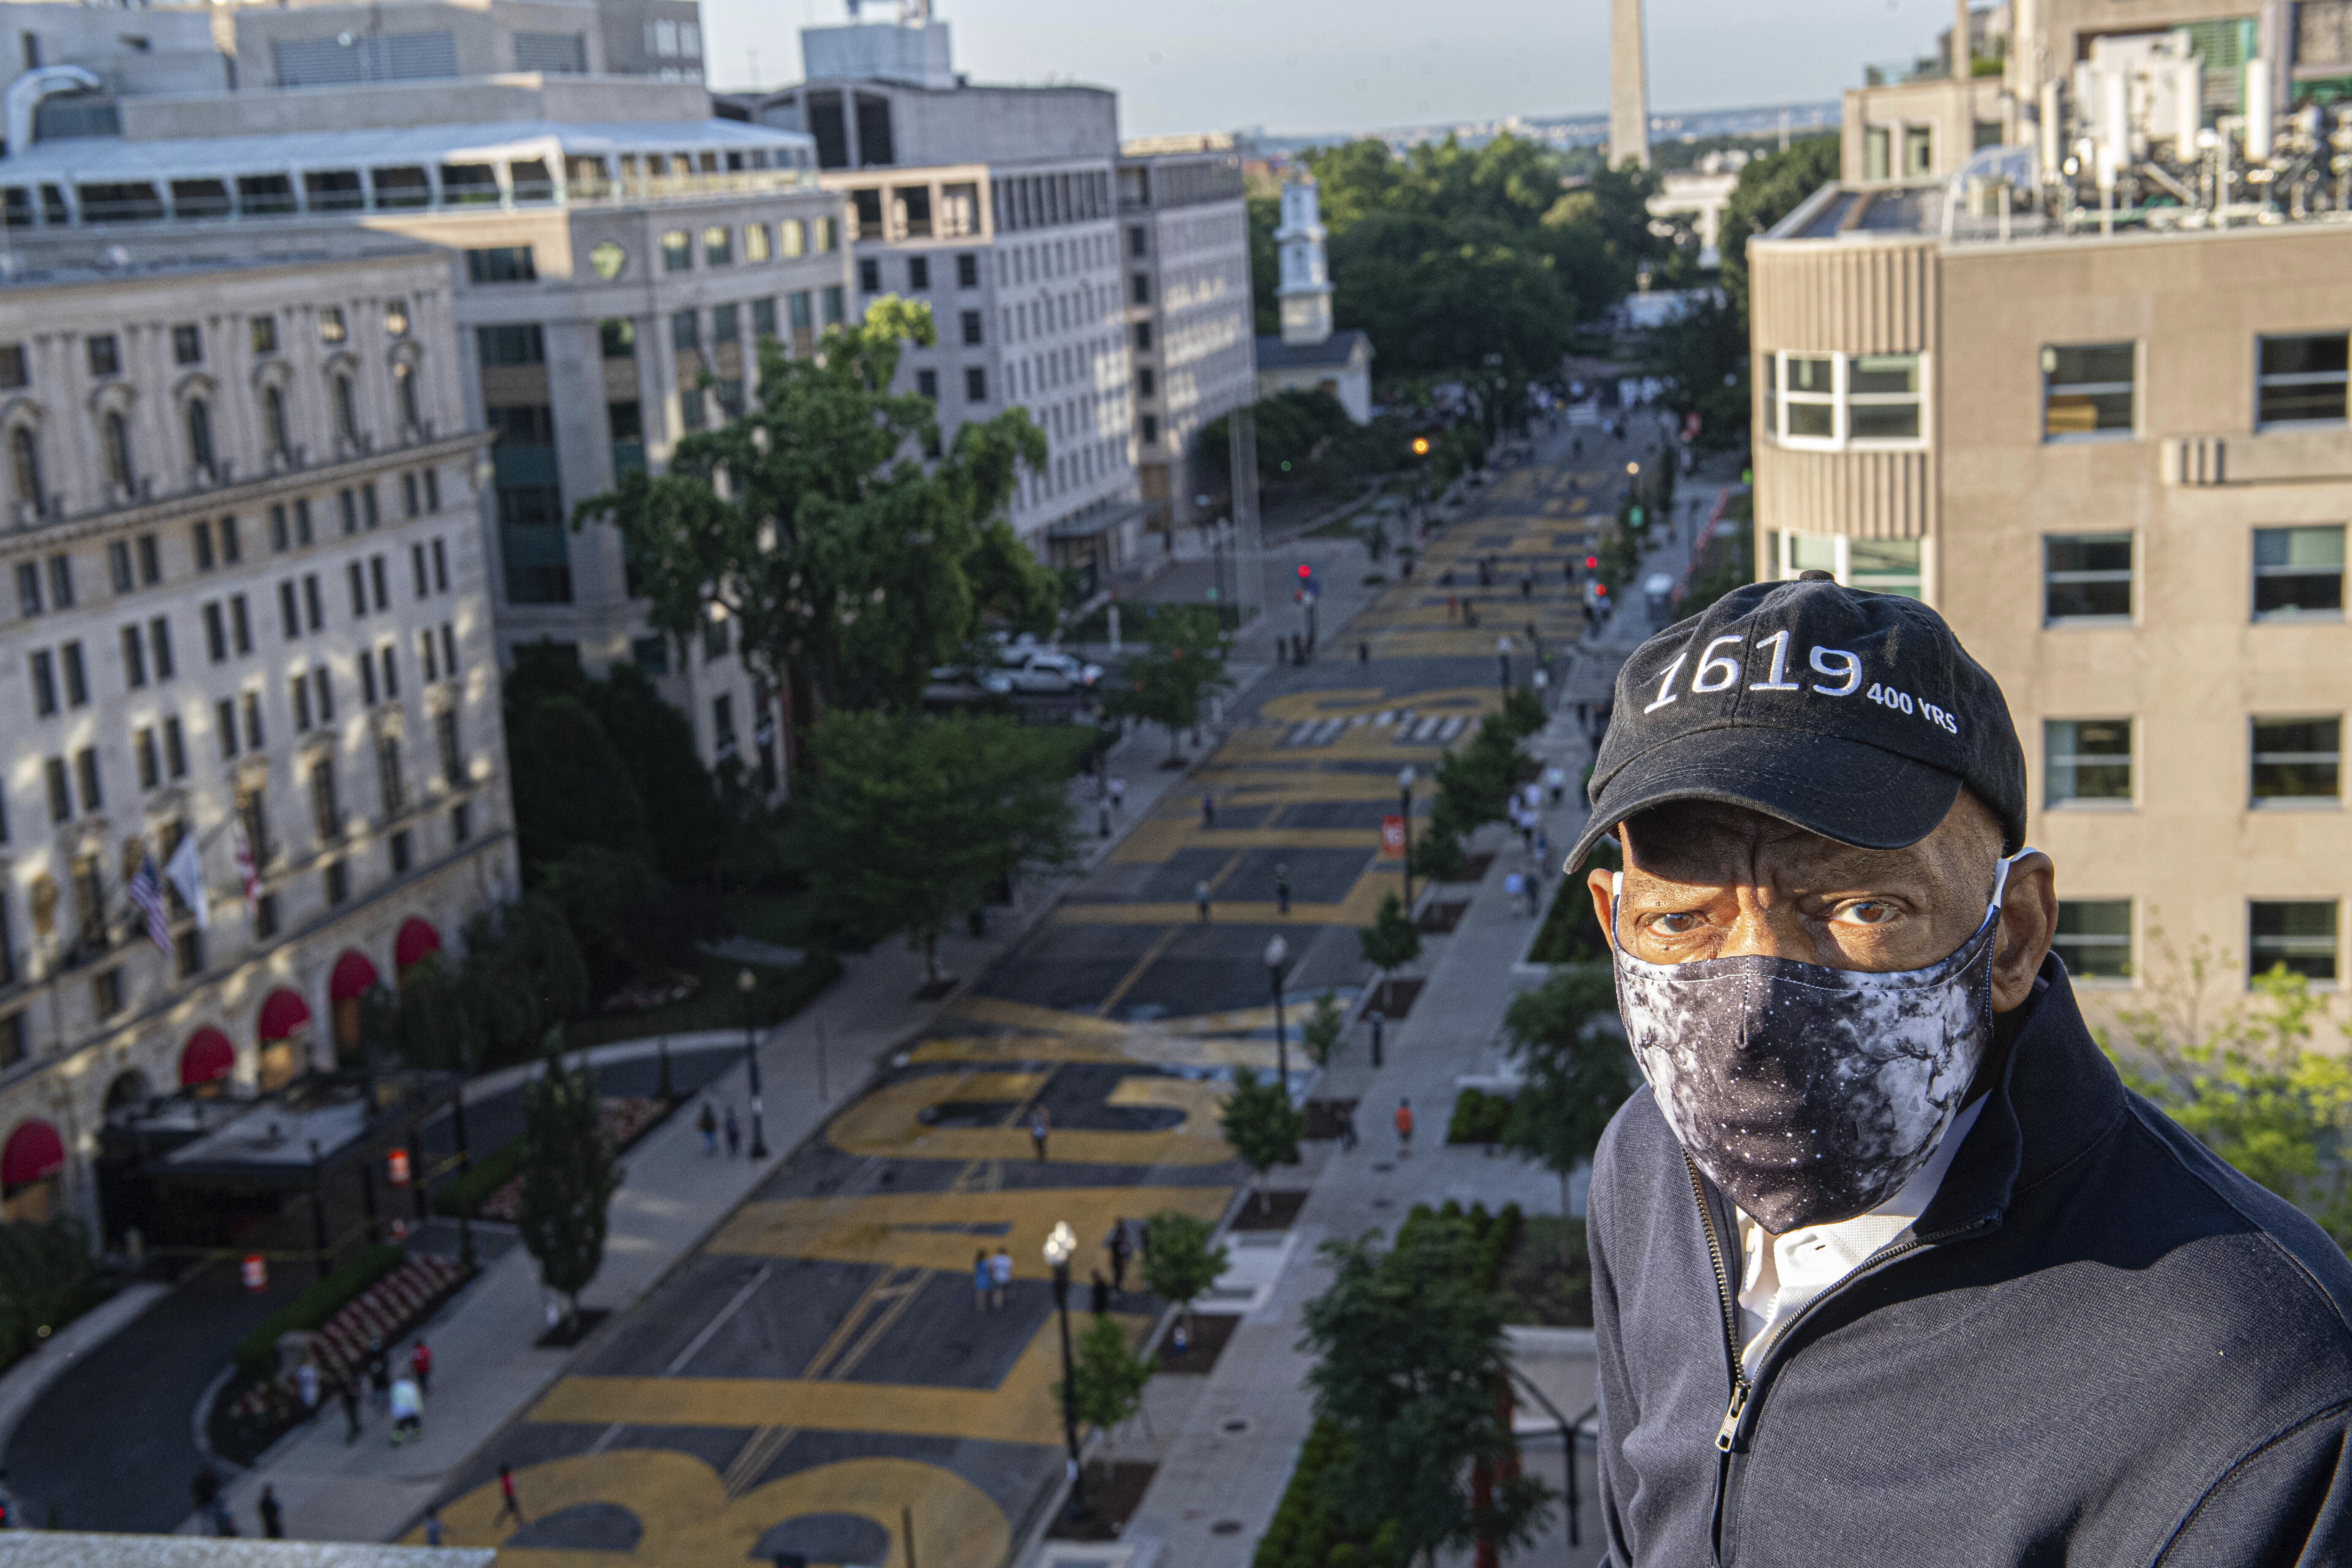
[[1729, 1302]]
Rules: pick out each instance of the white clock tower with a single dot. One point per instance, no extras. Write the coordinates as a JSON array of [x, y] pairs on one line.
[[1305, 287]]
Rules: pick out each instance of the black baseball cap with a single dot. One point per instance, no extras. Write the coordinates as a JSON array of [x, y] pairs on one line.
[[1857, 716]]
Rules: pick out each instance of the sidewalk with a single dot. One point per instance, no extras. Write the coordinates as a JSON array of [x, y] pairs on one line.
[[487, 1365]]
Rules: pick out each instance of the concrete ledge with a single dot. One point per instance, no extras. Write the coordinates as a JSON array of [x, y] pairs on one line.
[[31, 1377], [1528, 1340]]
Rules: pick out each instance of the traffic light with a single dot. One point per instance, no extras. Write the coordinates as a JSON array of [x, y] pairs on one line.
[[1306, 573], [1420, 446], [1593, 563]]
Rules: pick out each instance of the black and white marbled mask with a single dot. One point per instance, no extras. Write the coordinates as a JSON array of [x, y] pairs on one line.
[[1810, 1095]]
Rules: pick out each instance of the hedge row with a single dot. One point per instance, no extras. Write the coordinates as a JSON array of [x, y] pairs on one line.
[[1478, 1116], [483, 1177], [256, 1353], [1307, 1530]]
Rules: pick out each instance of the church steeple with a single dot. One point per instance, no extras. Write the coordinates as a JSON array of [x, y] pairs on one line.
[[1304, 290]]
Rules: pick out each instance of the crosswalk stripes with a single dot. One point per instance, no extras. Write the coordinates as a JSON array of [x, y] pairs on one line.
[[1406, 727]]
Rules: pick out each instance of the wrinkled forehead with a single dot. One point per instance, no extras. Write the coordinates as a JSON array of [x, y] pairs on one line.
[[1713, 844]]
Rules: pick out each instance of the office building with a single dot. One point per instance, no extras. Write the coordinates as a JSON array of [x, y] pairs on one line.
[[614, 247], [2104, 430], [998, 207], [247, 611], [1189, 314]]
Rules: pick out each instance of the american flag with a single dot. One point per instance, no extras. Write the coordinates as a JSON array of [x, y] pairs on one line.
[[147, 892]]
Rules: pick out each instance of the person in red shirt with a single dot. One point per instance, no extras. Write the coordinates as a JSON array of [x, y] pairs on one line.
[[420, 1362], [1404, 1129]]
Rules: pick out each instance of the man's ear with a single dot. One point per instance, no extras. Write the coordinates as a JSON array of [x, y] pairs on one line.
[[1598, 884], [2029, 920]]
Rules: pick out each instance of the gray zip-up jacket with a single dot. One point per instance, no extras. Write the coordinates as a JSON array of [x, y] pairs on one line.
[[2103, 1346]]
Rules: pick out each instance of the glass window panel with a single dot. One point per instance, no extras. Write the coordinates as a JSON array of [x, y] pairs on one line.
[[2086, 760], [1806, 375], [2093, 938], [2074, 364], [1813, 552], [2087, 576], [2298, 760], [2299, 571], [1812, 419], [2316, 355], [1872, 373], [1883, 421], [2300, 936]]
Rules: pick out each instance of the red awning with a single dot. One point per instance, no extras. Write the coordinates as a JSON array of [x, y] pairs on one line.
[[34, 1151], [352, 977], [416, 939], [281, 1015], [207, 1057]]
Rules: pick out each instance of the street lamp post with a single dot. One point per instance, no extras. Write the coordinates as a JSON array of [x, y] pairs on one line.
[[1276, 952], [1059, 1247], [747, 983], [1404, 807]]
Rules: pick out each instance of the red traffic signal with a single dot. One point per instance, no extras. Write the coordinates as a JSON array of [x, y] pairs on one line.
[[1591, 562], [1305, 572]]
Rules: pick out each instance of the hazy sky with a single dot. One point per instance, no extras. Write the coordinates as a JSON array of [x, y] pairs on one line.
[[1296, 66]]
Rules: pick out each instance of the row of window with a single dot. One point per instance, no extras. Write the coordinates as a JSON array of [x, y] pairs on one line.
[[722, 245], [2292, 761], [2298, 575], [2094, 938], [2090, 392], [102, 352]]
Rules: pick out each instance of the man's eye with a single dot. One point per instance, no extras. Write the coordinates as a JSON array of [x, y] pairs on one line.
[[1864, 912], [1674, 925]]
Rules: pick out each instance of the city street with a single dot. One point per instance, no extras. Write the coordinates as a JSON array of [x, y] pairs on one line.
[[815, 1375]]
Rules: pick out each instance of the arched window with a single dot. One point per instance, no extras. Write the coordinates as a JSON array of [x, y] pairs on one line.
[[24, 465], [118, 449], [404, 378], [347, 413], [200, 435], [273, 414]]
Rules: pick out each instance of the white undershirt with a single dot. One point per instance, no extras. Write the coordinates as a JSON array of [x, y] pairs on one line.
[[1779, 1279]]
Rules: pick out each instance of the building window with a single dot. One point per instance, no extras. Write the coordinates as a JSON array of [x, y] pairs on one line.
[[718, 246], [2299, 573], [60, 790], [1832, 401], [618, 338], [119, 468], [188, 953], [918, 274], [755, 242], [176, 750], [2298, 936], [86, 775], [722, 726], [389, 785], [501, 264], [338, 879], [967, 270], [134, 660], [2297, 762], [461, 822], [1150, 423], [401, 853], [24, 468], [1146, 383], [522, 344], [106, 990], [1139, 291], [2086, 761], [975, 385], [200, 436], [648, 654], [347, 411], [1143, 337], [2087, 577], [971, 328], [105, 355], [1877, 565], [926, 384], [2087, 391], [837, 303], [202, 536], [2094, 938], [869, 275], [215, 633], [187, 344], [678, 250], [45, 685], [2300, 381], [1918, 152], [275, 429], [149, 761], [444, 723], [326, 811], [265, 917]]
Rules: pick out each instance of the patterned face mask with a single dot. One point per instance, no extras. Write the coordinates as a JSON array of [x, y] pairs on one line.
[[1810, 1095]]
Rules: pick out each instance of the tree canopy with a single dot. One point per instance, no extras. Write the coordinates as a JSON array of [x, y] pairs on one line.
[[843, 557], [1574, 1074], [1769, 190], [1179, 1264], [568, 1175], [1260, 1124]]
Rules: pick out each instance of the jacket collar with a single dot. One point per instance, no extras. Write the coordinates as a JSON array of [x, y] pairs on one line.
[[2058, 1094]]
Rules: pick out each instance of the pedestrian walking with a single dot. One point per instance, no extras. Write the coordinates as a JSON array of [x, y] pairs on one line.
[[1119, 1248], [1143, 1239], [1282, 889], [1117, 793], [1101, 1294], [349, 1392], [1526, 585], [1453, 606], [1514, 885], [1543, 850], [1556, 776], [1208, 808], [224, 1522], [1347, 1127], [306, 1384], [1363, 652], [420, 1365], [378, 1371], [1404, 1129], [981, 1280], [1041, 1122], [408, 1411], [734, 1130], [509, 1506], [1000, 1277], [432, 1527], [1201, 897], [1527, 820], [273, 1520]]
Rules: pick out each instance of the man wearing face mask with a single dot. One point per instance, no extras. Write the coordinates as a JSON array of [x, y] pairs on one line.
[[1888, 1266]]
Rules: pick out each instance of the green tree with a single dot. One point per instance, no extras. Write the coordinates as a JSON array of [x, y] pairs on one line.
[[842, 558], [908, 821], [1171, 683], [48, 1276], [1392, 941], [2246, 1081], [431, 1027], [523, 973], [1323, 1028], [1259, 1122], [1108, 1379], [1574, 1074], [570, 786], [569, 1175], [1179, 1263], [1410, 1365], [1474, 784]]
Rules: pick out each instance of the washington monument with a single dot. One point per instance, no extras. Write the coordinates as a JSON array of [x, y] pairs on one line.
[[1629, 87]]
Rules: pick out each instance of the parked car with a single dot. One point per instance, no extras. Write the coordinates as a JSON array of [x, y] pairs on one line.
[[995, 682], [1044, 670]]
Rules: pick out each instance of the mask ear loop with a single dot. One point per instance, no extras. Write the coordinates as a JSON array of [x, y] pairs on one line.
[[1992, 914], [1616, 888]]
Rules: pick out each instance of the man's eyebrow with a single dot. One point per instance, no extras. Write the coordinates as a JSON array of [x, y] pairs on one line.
[[1849, 865]]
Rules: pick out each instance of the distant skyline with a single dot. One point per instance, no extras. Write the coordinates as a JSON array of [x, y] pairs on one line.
[[1303, 67]]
